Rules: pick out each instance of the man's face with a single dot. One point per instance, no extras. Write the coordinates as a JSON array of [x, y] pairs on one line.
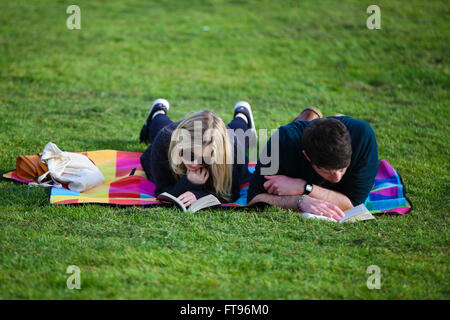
[[334, 176]]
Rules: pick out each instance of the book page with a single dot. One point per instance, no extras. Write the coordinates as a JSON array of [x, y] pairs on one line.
[[168, 197], [315, 216], [204, 202], [358, 213]]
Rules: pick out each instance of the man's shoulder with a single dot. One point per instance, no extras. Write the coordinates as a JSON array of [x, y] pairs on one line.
[[355, 125], [293, 131], [298, 125]]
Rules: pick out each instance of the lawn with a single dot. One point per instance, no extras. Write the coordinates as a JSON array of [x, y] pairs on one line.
[[91, 89]]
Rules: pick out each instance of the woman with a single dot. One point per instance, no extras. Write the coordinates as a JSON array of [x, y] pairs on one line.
[[189, 167]]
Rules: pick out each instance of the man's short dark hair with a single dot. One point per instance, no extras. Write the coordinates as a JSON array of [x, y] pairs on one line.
[[327, 143]]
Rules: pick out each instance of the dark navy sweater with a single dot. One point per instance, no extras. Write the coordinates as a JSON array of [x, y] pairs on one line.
[[156, 165], [358, 179]]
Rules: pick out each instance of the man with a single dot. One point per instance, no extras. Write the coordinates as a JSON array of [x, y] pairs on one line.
[[326, 165]]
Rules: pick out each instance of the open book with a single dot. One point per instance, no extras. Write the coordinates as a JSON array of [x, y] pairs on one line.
[[358, 213], [203, 202]]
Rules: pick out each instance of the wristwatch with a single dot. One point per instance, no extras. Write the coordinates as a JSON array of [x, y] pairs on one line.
[[308, 188]]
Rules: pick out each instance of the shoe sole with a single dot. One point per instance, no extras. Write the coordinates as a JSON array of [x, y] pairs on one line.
[[247, 105], [157, 101]]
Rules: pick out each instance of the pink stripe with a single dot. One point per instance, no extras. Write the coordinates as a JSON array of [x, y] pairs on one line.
[[385, 170], [389, 192]]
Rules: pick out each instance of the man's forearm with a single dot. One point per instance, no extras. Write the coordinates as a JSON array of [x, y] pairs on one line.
[[327, 195], [285, 202], [331, 196], [284, 186]]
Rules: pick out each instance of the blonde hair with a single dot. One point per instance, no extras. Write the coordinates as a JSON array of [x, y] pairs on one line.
[[214, 135]]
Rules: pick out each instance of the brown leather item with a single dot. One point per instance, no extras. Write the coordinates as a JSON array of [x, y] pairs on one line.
[[30, 168]]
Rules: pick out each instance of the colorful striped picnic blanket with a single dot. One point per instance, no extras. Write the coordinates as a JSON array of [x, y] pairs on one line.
[[126, 184], [388, 192]]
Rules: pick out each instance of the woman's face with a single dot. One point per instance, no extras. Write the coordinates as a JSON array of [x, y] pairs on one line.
[[196, 158]]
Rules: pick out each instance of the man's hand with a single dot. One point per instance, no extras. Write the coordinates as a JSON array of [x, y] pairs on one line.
[[187, 198], [284, 185], [199, 176], [321, 208]]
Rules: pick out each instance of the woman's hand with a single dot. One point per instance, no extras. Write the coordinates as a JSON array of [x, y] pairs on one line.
[[187, 198], [199, 176]]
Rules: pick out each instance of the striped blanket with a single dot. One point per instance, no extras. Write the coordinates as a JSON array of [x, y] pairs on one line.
[[126, 184]]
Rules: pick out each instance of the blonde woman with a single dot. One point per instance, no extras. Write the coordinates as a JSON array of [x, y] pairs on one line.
[[180, 163]]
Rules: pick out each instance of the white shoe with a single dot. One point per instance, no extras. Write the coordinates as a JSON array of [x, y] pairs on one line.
[[158, 104], [244, 107]]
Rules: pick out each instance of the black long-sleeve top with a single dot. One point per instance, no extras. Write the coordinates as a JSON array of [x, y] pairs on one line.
[[156, 165], [357, 180]]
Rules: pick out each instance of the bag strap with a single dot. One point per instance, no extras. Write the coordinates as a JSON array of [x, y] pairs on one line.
[[42, 177]]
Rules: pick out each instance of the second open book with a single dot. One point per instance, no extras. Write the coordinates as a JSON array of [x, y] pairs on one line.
[[358, 213]]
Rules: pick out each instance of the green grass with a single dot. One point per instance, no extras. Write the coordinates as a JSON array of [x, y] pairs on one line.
[[91, 89]]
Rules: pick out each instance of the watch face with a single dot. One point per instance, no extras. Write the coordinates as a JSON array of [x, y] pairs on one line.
[[309, 187]]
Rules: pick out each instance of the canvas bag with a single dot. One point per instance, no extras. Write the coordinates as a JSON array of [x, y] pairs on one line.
[[75, 170]]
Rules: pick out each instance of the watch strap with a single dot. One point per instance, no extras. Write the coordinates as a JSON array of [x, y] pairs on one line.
[[299, 201]]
